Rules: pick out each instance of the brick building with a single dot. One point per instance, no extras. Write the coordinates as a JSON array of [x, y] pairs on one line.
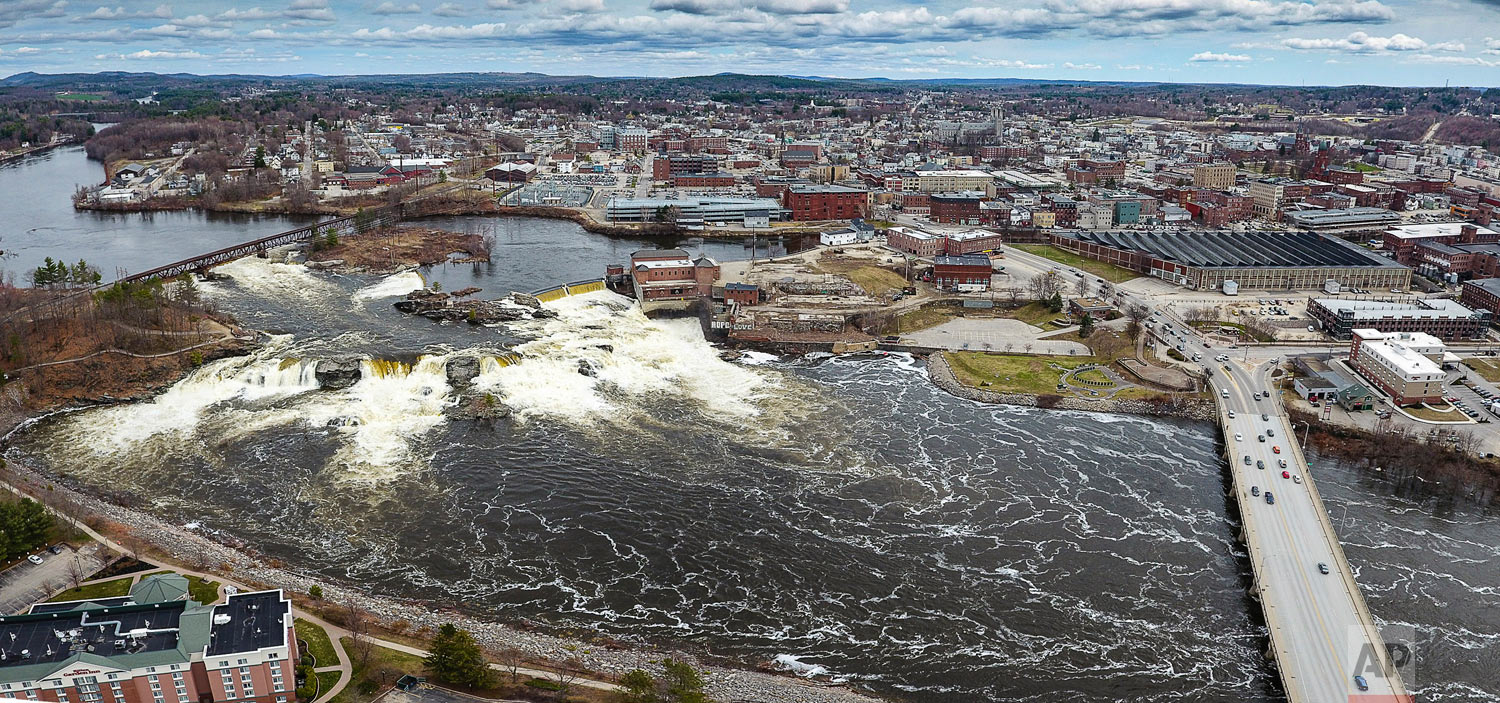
[[704, 180], [959, 208], [808, 201], [963, 272], [1439, 317], [1402, 241], [1217, 176], [152, 646], [670, 274], [668, 166], [1482, 294]]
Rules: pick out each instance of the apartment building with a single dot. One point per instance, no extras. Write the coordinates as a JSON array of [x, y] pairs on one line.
[[950, 181], [1406, 365], [152, 646], [809, 201], [1216, 176]]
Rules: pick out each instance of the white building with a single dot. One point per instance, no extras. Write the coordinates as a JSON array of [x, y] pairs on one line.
[[1406, 365]]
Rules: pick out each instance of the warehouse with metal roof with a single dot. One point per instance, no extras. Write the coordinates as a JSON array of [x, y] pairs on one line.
[[1254, 260]]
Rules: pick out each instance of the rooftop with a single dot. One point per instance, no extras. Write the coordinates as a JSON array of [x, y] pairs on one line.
[[1434, 229], [1339, 216], [1237, 249], [1431, 308]]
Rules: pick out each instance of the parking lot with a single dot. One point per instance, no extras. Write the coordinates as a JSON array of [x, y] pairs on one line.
[[426, 693], [26, 583]]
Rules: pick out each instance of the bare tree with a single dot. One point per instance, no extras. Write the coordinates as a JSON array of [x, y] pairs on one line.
[[565, 674], [511, 661], [1081, 287], [358, 622], [76, 572]]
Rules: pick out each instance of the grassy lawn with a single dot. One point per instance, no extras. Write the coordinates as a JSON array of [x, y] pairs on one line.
[[1093, 376], [1014, 373], [926, 316], [327, 680], [875, 280], [1488, 369], [383, 669], [1425, 413], [103, 589], [1362, 167], [202, 590], [318, 643], [1108, 272]]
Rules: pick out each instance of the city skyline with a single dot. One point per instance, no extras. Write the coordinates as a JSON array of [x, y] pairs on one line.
[[1273, 42]]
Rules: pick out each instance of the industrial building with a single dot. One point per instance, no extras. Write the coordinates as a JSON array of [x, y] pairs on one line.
[[1439, 317], [689, 212], [671, 274], [153, 645], [1343, 221], [964, 273], [1250, 260]]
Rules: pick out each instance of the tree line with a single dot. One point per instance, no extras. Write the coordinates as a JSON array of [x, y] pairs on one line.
[[56, 274]]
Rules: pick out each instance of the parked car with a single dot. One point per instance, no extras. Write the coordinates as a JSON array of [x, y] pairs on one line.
[[34, 559], [55, 549]]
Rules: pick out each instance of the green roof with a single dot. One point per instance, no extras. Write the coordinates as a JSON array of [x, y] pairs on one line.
[[160, 588]]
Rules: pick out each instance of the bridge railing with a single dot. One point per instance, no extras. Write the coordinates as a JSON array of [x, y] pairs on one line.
[[1367, 621], [1251, 547]]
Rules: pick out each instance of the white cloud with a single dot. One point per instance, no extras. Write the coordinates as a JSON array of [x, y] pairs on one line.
[[1209, 56], [147, 54], [24, 50], [449, 9], [577, 6], [1362, 43], [1082, 66], [1455, 60], [392, 8]]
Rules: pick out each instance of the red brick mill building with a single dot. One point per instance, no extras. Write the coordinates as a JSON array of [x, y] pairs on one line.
[[671, 274], [808, 201]]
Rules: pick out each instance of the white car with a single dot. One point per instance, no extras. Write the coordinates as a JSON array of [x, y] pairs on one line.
[[34, 559], [1238, 437]]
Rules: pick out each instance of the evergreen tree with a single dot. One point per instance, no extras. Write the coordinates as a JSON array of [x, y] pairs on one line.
[[260, 157], [1055, 303], [455, 657], [1086, 327]]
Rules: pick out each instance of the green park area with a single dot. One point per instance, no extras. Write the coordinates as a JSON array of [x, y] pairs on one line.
[[89, 591], [1108, 272]]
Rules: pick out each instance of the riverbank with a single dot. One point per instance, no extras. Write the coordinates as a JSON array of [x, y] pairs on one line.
[[33, 150], [942, 376], [171, 544]]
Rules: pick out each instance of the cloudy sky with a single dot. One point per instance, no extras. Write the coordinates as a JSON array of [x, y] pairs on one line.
[[1393, 42]]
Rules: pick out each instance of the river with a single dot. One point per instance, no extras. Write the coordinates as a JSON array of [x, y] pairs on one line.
[[834, 515]]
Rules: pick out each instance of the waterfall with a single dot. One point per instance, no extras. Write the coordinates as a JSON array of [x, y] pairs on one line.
[[391, 286]]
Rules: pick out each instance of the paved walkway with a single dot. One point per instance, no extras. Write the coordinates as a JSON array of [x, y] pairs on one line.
[[993, 334]]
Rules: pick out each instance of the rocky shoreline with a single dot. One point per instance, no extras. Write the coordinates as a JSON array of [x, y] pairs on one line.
[[942, 377], [188, 547]]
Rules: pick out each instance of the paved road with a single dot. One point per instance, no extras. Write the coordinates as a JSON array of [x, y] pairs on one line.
[[1318, 623], [27, 583]]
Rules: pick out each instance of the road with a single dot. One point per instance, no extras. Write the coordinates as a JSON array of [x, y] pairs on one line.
[[27, 583], [1318, 623]]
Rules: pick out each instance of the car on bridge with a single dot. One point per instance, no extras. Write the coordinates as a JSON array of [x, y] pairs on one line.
[[1261, 437], [1265, 418], [1276, 449], [1255, 490], [1286, 474], [1247, 460], [1281, 463], [1238, 437], [1296, 478], [1359, 681], [1270, 499], [1270, 432], [1260, 464], [1322, 568]]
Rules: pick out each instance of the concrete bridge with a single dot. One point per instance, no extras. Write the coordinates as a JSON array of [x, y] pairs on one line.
[[1321, 632]]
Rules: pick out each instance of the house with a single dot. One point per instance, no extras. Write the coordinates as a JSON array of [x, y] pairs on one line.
[[1314, 388], [964, 273], [838, 238], [1093, 307], [742, 293]]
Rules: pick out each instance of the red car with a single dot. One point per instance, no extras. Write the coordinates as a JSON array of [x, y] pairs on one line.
[[1286, 474], [1276, 449]]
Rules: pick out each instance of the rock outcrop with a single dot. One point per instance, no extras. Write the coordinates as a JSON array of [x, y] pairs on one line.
[[444, 308], [337, 373], [462, 370]]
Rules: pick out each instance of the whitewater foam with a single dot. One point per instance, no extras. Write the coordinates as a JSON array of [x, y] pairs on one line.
[[276, 279], [602, 354], [391, 286]]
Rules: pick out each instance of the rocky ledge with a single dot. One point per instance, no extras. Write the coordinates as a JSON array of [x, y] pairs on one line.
[[435, 305]]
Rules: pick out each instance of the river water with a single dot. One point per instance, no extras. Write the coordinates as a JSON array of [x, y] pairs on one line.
[[834, 515]]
